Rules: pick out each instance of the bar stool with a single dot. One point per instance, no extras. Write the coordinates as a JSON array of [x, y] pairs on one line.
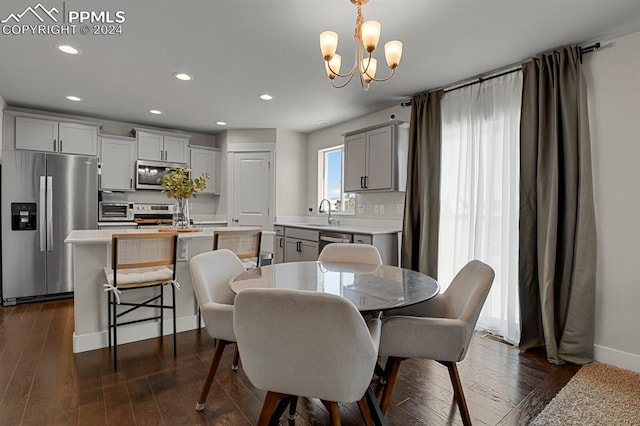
[[140, 261]]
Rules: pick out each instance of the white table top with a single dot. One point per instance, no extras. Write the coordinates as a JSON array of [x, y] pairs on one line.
[[369, 287]]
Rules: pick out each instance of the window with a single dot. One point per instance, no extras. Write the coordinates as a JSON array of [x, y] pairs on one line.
[[331, 180]]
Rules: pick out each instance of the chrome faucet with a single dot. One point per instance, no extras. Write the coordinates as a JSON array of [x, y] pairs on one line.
[[330, 220]]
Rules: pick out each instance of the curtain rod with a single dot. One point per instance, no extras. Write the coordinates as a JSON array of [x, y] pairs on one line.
[[498, 73]]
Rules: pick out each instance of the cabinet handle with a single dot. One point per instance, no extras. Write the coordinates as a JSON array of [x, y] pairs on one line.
[[54, 145], [298, 244], [130, 183], [366, 181], [60, 145], [361, 181], [280, 242], [165, 156]]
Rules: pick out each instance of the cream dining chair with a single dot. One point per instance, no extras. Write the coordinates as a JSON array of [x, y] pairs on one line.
[[350, 253], [304, 343], [210, 273], [440, 329]]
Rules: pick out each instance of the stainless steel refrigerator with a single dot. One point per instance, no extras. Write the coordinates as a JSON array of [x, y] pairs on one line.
[[44, 197]]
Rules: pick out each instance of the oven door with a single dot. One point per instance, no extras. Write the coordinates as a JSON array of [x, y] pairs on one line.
[[149, 173]]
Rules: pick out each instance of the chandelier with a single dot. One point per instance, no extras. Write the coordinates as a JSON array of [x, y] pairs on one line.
[[366, 35]]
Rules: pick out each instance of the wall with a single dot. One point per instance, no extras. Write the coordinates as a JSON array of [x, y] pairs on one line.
[[332, 136], [2, 105], [614, 109], [291, 173]]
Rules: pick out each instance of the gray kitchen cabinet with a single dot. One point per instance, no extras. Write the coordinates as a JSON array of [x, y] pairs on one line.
[[160, 146], [375, 158], [39, 134], [204, 159], [362, 239], [300, 245], [117, 163], [278, 245]]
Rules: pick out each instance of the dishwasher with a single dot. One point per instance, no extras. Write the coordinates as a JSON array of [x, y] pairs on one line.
[[328, 237]]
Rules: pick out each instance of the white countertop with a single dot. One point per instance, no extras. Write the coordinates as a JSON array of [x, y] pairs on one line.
[[91, 236], [345, 227]]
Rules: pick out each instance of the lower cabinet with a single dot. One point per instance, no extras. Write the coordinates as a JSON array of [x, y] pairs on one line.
[[278, 245], [300, 245]]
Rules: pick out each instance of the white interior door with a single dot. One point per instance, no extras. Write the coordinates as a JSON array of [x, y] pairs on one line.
[[252, 189]]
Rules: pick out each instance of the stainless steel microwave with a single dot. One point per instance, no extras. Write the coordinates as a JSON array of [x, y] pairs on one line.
[[149, 173]]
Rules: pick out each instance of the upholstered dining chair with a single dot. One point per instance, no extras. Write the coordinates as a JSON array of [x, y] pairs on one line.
[[352, 253], [210, 273], [440, 329], [303, 343], [140, 261]]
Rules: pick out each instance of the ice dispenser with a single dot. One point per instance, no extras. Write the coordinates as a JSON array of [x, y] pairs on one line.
[[23, 216]]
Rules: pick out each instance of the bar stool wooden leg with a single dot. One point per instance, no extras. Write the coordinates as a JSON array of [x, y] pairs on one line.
[[235, 364]]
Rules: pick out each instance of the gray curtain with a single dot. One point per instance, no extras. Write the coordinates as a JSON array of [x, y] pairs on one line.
[[557, 222], [422, 197]]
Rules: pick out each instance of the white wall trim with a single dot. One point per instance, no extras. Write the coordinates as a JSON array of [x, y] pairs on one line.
[[132, 333], [617, 358], [251, 147]]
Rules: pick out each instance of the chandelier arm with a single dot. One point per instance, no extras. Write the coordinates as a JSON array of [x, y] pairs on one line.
[[340, 86], [386, 78], [349, 74]]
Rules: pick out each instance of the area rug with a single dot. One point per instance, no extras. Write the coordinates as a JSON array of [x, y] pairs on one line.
[[599, 394]]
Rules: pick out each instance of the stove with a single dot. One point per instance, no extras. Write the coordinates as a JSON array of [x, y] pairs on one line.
[[153, 214]]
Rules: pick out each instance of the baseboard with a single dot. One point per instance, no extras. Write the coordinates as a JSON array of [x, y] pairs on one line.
[[131, 333], [617, 358]]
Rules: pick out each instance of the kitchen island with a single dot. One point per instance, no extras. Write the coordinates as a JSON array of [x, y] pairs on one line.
[[91, 253]]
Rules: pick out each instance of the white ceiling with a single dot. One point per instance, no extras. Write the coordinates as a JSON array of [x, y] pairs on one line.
[[236, 49]]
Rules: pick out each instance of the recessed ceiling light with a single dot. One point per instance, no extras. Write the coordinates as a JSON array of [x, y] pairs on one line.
[[70, 50], [221, 123], [323, 123], [182, 76], [74, 98], [155, 111], [265, 97]]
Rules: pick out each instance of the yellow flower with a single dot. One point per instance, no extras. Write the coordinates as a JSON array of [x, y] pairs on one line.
[[176, 183]]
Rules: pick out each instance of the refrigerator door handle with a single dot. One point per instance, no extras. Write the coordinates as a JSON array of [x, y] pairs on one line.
[[41, 214], [49, 213]]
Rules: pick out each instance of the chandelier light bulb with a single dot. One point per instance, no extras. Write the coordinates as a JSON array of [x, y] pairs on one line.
[[328, 44], [368, 69], [370, 35], [333, 66], [393, 53]]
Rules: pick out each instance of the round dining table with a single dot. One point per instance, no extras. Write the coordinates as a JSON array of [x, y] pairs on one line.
[[369, 287]]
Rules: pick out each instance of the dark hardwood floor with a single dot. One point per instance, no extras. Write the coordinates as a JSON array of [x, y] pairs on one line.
[[43, 382]]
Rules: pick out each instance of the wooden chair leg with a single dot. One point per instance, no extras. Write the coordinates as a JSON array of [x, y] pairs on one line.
[[364, 410], [215, 361], [458, 393], [269, 406], [390, 375], [334, 412], [235, 364]]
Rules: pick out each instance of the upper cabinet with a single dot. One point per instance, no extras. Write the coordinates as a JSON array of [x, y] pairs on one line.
[[205, 159], [56, 136], [376, 158], [117, 163], [160, 146]]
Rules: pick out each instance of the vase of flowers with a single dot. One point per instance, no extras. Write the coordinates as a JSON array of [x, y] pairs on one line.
[[177, 185]]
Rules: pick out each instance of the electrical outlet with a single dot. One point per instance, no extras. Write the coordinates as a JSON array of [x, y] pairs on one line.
[[399, 208], [360, 208], [375, 209], [381, 209]]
